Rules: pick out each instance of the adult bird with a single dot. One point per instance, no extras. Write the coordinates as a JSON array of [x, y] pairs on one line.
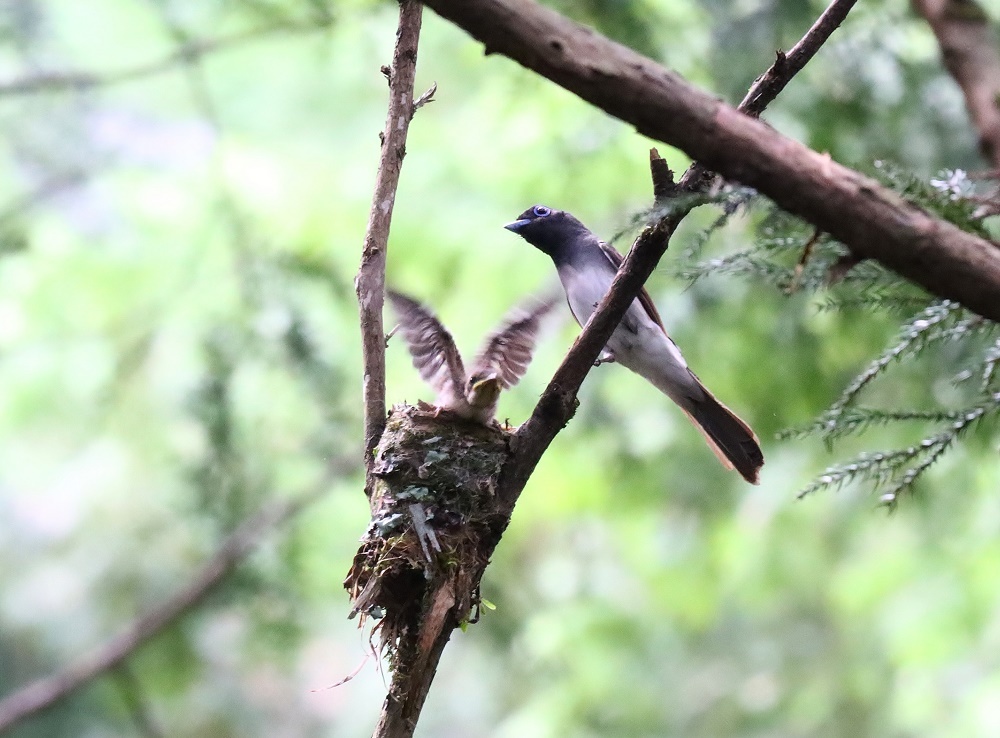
[[501, 362], [586, 266]]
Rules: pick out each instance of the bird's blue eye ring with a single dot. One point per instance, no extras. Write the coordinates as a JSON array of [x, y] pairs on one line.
[[540, 211]]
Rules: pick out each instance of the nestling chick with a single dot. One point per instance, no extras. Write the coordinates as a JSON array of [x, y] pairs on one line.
[[500, 364]]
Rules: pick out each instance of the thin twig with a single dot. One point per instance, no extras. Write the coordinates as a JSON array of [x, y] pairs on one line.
[[53, 185], [558, 401], [426, 97], [800, 266], [44, 693], [773, 81], [370, 282], [46, 82]]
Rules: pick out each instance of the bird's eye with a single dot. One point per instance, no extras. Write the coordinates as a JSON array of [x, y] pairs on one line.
[[540, 211]]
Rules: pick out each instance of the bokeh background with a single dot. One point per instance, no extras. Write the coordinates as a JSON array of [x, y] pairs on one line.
[[184, 187]]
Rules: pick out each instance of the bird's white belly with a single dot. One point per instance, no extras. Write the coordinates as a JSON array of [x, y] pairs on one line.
[[647, 350], [585, 289]]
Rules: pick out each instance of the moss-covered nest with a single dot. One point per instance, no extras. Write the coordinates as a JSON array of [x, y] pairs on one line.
[[434, 512]]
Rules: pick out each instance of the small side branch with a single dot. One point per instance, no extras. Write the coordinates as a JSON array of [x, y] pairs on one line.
[[773, 81], [54, 82], [370, 282], [971, 56]]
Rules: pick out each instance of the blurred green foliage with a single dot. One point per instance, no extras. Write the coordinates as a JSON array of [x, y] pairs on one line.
[[178, 345]]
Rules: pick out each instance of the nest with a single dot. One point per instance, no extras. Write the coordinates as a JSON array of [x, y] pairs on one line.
[[434, 523]]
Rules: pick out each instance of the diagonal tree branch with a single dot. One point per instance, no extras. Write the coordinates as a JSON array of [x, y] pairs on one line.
[[970, 54], [44, 693], [370, 282], [773, 81], [558, 402], [856, 210], [420, 605]]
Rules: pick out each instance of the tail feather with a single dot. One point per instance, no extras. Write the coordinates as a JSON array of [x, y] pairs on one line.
[[728, 436]]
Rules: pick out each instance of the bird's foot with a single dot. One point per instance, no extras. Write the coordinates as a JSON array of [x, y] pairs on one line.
[[426, 408], [605, 358]]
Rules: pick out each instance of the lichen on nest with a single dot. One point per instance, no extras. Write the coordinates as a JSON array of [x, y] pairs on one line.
[[433, 507]]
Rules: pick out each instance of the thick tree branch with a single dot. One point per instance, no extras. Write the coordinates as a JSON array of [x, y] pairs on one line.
[[370, 282], [871, 220], [558, 402], [401, 709], [421, 604], [44, 693], [970, 54]]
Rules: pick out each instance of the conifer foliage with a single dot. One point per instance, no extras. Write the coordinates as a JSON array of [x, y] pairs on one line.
[[959, 345]]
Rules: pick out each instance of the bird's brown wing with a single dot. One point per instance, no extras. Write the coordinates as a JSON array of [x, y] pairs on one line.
[[645, 300], [507, 350], [433, 349]]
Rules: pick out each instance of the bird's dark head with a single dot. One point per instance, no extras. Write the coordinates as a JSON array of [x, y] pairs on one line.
[[548, 230]]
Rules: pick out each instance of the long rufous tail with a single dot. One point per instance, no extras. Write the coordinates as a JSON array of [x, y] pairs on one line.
[[728, 436]]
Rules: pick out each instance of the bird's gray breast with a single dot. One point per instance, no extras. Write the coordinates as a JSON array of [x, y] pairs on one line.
[[585, 288]]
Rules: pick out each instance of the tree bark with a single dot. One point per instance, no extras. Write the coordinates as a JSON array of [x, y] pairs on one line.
[[870, 219], [370, 282]]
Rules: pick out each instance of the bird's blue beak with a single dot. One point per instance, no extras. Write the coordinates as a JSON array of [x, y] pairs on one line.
[[517, 225]]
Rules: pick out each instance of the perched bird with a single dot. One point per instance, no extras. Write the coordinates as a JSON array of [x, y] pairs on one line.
[[586, 267], [500, 364]]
